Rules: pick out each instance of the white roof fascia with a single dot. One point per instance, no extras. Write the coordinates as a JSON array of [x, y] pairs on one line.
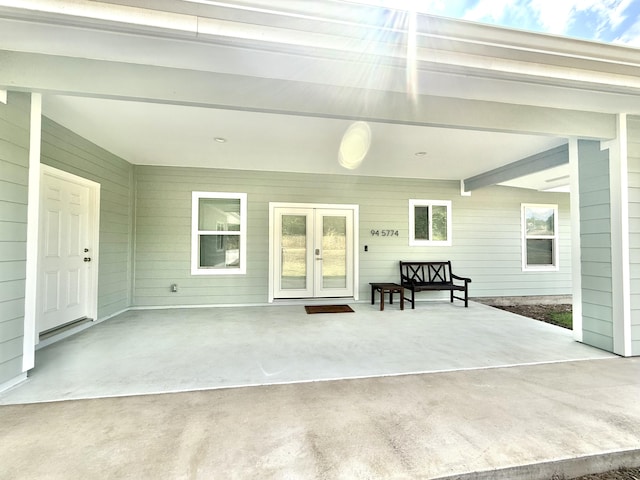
[[450, 46], [92, 13]]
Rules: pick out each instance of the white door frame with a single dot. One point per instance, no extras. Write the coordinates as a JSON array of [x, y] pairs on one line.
[[326, 206], [94, 231]]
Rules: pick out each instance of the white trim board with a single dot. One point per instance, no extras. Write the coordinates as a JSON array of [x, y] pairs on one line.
[[30, 336], [576, 258], [620, 263]]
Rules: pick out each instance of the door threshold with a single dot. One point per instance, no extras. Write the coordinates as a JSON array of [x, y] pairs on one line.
[[63, 331], [313, 301]]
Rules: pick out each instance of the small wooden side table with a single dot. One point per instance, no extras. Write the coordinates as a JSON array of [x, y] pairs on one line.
[[383, 288]]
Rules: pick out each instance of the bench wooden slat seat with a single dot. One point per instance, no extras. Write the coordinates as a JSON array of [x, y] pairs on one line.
[[432, 276]]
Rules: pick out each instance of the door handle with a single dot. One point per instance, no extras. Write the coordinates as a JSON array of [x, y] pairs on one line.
[[87, 259]]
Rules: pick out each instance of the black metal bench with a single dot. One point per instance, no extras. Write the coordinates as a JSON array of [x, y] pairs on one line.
[[431, 276]]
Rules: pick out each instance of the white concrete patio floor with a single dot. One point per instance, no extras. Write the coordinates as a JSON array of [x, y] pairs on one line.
[[158, 351]]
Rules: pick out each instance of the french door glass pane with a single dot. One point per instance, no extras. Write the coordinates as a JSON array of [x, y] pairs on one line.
[[439, 222], [334, 252], [219, 251], [219, 214], [540, 252], [294, 252]]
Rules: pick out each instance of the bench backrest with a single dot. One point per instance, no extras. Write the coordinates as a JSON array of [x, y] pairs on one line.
[[425, 272]]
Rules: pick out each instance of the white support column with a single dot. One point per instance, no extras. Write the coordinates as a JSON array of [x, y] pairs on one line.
[[621, 274], [30, 331], [576, 262]]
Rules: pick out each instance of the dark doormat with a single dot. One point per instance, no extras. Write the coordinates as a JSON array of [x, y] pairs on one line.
[[328, 308]]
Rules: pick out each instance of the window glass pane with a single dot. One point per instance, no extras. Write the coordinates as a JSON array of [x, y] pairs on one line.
[[219, 214], [421, 223], [540, 220], [219, 251], [439, 222], [539, 252]]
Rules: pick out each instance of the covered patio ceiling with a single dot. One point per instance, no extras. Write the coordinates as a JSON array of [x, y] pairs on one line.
[[281, 81], [177, 135]]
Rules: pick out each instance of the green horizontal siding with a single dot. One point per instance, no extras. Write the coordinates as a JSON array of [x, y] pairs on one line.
[[64, 150], [14, 180], [595, 241], [602, 341], [486, 232], [12, 329]]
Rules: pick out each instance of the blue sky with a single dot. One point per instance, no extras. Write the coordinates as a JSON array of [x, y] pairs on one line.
[[616, 21]]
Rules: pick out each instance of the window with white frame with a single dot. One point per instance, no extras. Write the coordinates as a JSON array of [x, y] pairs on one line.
[[218, 233], [539, 237], [430, 223]]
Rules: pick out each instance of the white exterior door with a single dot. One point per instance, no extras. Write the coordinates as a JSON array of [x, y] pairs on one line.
[[313, 252], [67, 251], [333, 253]]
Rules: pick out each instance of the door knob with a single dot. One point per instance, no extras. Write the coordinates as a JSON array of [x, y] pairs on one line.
[[87, 259]]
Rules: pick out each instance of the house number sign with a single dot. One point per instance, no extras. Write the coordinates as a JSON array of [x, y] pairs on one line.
[[384, 233]]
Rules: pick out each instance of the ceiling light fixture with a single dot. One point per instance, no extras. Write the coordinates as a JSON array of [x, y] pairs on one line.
[[354, 145], [220, 139]]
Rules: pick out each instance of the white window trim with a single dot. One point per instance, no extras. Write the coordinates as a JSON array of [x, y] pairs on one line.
[[430, 243], [195, 234], [556, 239]]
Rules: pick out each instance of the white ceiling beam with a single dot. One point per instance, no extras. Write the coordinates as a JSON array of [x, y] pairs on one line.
[[115, 80]]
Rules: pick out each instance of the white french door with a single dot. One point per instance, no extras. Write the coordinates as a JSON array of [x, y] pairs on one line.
[[67, 257], [313, 252]]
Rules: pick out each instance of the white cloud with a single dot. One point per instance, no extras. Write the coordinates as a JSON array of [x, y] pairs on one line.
[[616, 14], [490, 10], [423, 6], [554, 17], [631, 37], [557, 16], [560, 15], [430, 6]]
